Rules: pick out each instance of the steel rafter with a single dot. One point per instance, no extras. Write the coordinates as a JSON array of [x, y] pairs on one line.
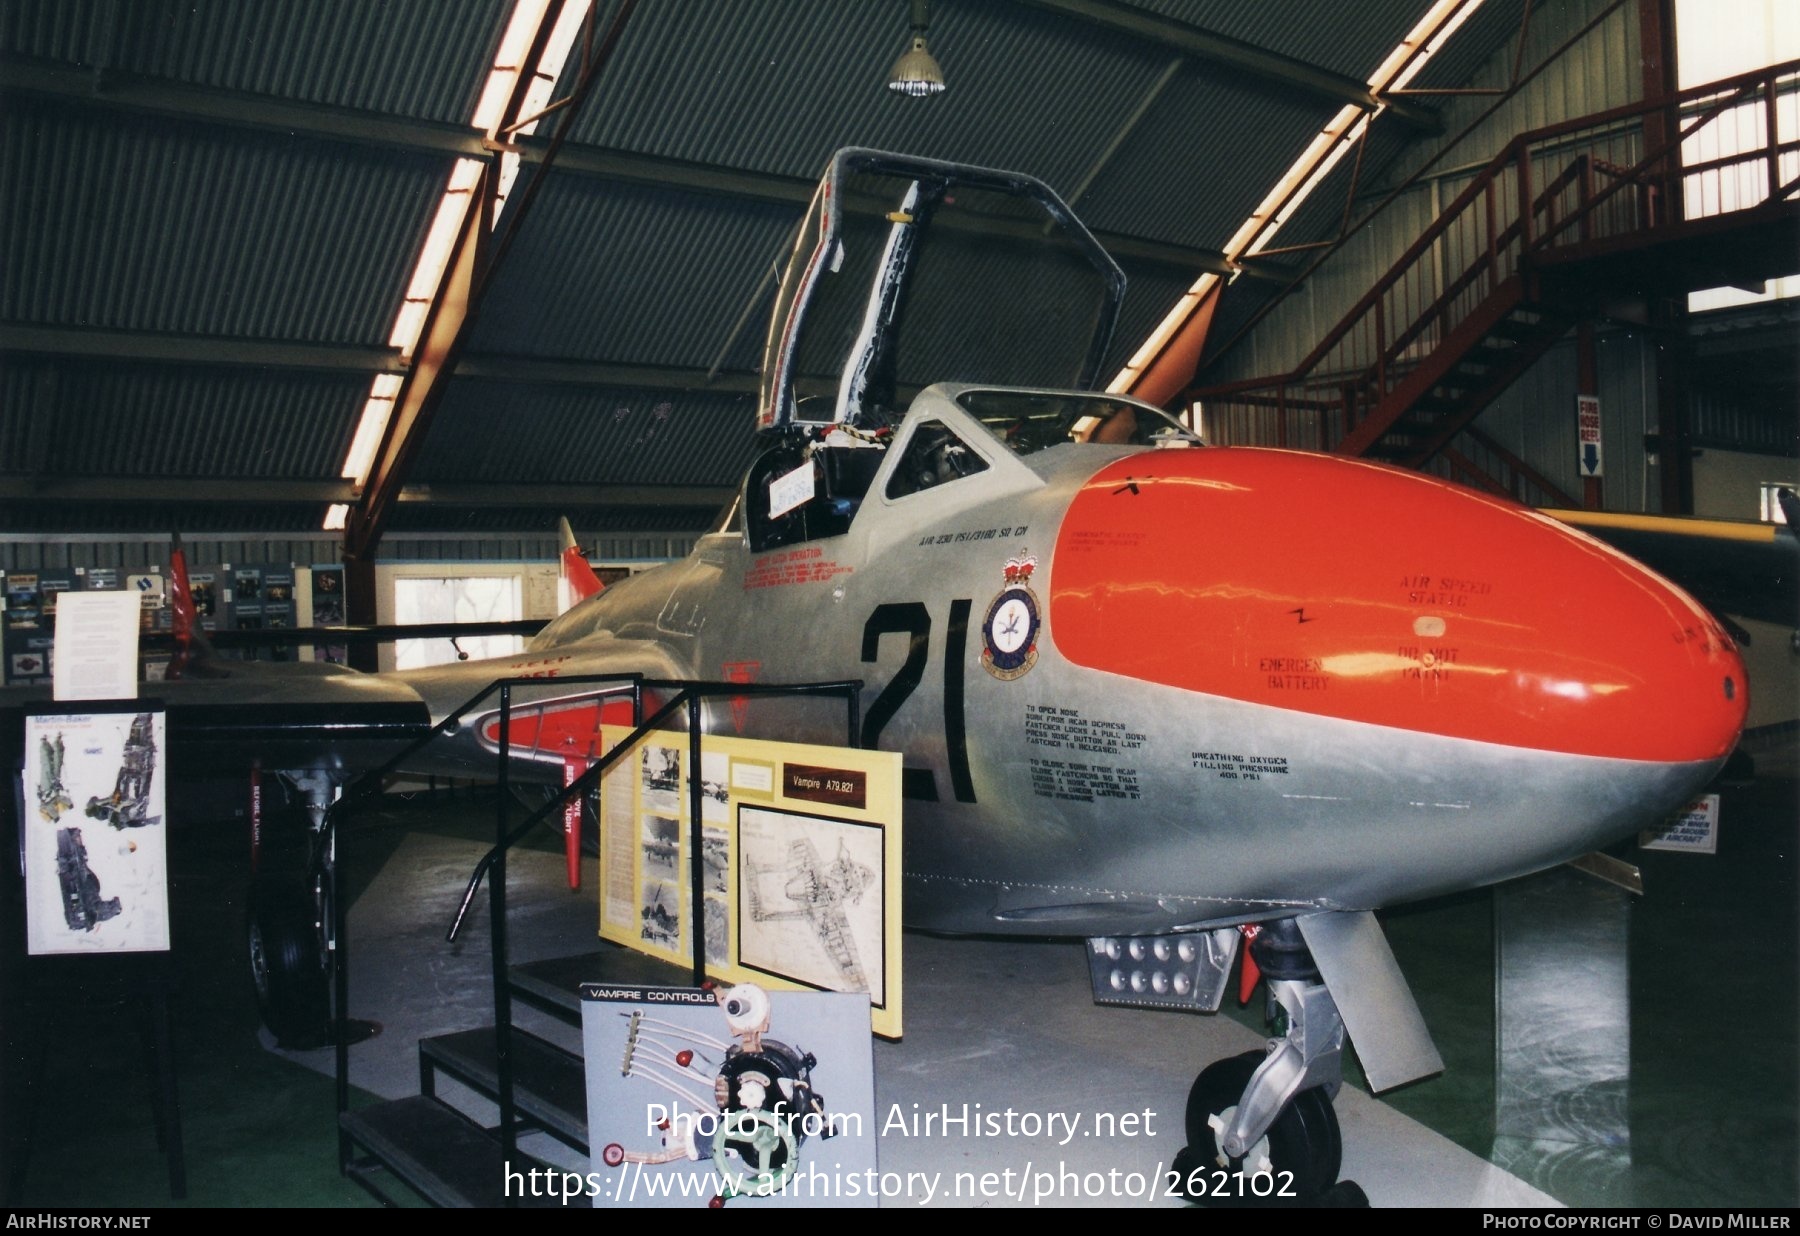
[[475, 260], [1272, 67]]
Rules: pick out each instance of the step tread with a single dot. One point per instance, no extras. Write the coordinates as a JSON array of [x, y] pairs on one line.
[[549, 1083], [556, 982], [448, 1158]]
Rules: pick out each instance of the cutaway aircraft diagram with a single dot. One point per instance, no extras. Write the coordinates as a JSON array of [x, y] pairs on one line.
[[814, 892], [1147, 691]]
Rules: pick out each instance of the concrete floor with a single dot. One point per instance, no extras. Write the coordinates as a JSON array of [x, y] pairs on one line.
[[1002, 1024], [1640, 1052]]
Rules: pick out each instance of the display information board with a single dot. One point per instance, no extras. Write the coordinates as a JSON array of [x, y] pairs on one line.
[[800, 847], [755, 1097], [96, 646], [1694, 829], [96, 852]]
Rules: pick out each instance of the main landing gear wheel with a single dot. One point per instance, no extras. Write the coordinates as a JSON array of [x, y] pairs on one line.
[[288, 961], [1295, 1163]]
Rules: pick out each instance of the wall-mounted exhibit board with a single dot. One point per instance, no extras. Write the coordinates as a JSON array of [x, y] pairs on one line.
[[800, 848]]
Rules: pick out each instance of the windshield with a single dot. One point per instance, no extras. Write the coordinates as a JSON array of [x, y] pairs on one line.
[[1029, 421]]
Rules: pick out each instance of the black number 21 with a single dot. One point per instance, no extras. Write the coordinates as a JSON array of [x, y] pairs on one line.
[[912, 619]]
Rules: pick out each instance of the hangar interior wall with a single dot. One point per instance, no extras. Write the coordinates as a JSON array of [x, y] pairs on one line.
[[1599, 71]]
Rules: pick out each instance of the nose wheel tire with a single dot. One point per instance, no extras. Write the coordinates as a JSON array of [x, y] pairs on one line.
[[1295, 1163]]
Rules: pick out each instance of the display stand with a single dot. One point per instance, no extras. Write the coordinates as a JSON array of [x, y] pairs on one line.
[[89, 877], [60, 988]]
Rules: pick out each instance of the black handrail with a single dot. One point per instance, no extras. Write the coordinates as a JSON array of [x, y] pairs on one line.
[[687, 692], [368, 782], [325, 844]]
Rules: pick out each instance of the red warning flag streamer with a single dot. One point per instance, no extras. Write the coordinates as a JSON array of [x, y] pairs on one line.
[[1251, 973]]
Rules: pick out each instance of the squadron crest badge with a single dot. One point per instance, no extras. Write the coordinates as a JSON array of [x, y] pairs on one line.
[[1009, 633]]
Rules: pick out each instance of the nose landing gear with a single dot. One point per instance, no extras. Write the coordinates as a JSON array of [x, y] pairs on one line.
[[1261, 1129]]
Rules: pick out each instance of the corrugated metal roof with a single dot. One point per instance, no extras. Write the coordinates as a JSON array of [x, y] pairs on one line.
[[1350, 40], [1187, 178], [777, 87], [154, 420], [132, 223], [584, 435], [418, 58], [172, 219], [612, 272]]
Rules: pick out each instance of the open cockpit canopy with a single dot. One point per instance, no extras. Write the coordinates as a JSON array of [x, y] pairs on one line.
[[910, 271]]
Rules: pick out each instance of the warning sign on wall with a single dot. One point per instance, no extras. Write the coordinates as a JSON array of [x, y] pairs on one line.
[[1589, 457]]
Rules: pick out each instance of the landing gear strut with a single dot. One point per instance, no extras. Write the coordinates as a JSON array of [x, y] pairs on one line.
[[290, 927], [1251, 1119], [1261, 1129]]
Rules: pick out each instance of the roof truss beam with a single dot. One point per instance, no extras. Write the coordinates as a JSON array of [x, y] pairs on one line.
[[127, 347], [167, 99], [1273, 68]]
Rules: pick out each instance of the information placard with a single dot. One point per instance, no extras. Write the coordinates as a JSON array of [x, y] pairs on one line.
[[800, 849], [1694, 829]]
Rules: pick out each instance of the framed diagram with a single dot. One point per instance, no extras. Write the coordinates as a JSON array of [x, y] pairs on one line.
[[95, 833], [810, 900]]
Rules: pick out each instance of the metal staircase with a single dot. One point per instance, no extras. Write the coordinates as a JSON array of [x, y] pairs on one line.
[[1457, 380], [440, 1152], [1702, 190]]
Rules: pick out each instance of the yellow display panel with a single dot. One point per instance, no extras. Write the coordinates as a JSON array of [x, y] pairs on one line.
[[798, 848]]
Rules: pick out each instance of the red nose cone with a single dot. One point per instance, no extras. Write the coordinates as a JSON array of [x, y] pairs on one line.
[[1350, 590]]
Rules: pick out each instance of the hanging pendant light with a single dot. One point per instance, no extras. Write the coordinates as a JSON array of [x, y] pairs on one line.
[[917, 73]]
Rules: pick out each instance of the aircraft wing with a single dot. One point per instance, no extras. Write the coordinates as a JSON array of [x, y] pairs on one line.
[[1736, 567], [277, 715]]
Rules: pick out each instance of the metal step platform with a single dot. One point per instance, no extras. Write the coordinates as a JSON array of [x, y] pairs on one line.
[[555, 985], [448, 1159], [549, 1084]]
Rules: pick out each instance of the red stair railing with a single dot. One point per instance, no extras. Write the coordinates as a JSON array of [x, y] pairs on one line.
[[1599, 181]]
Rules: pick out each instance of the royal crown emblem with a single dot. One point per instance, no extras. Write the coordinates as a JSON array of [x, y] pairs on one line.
[[1019, 568]]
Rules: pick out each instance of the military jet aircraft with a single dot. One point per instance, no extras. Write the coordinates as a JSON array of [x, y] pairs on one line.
[[1148, 692]]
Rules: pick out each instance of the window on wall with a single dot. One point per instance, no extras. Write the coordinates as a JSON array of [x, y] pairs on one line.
[[474, 599], [1771, 501], [1716, 39]]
